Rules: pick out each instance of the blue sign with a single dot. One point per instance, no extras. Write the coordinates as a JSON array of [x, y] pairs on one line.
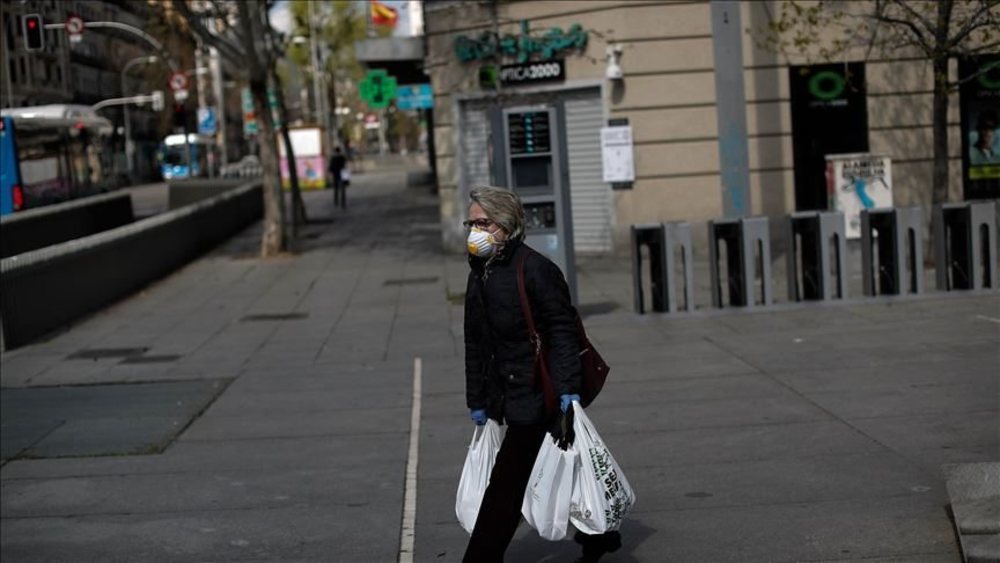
[[415, 96], [206, 121]]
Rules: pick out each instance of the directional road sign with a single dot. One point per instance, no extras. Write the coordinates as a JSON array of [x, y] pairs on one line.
[[178, 81], [74, 28]]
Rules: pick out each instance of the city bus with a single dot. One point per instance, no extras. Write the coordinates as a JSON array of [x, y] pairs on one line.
[[53, 153], [180, 160]]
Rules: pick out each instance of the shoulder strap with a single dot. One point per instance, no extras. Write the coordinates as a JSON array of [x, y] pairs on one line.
[[522, 291]]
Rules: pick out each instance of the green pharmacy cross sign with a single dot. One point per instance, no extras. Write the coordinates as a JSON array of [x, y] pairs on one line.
[[378, 88]]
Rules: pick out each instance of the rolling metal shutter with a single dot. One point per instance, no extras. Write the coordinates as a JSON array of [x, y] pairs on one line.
[[591, 200], [474, 149]]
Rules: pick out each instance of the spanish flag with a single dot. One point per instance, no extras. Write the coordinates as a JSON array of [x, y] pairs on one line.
[[383, 15]]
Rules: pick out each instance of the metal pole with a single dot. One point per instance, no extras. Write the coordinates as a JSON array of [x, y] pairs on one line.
[[124, 27], [129, 146], [315, 64], [200, 70], [220, 104]]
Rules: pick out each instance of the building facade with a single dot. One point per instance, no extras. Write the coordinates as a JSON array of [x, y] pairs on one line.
[[491, 63], [109, 63]]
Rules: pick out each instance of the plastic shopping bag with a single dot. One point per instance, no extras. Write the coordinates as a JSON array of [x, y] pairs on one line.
[[602, 495], [479, 461], [547, 497]]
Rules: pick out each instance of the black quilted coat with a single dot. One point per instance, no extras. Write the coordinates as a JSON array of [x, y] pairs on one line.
[[499, 361]]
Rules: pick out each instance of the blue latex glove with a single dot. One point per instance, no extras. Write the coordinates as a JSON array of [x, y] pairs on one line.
[[478, 416], [566, 400]]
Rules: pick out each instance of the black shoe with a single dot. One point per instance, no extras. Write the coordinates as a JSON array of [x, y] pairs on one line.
[[594, 547]]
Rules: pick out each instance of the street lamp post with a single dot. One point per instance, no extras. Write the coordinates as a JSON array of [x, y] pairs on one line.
[[129, 145]]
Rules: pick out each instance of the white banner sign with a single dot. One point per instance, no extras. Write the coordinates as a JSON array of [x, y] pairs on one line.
[[616, 152]]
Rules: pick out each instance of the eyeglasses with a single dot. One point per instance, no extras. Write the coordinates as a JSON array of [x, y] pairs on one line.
[[478, 223]]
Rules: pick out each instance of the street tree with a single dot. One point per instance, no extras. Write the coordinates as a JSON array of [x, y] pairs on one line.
[[339, 26], [937, 31], [242, 33]]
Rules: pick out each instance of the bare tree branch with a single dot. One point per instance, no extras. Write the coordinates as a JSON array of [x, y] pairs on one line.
[[918, 37], [928, 25], [987, 12], [226, 49]]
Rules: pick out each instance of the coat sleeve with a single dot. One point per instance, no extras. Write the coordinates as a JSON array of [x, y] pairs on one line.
[[555, 320], [475, 385]]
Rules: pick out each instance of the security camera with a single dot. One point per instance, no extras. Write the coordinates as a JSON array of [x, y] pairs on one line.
[[614, 68]]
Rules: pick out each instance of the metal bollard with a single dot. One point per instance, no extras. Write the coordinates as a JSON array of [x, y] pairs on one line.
[[897, 232], [743, 237], [815, 229], [965, 245], [678, 238], [664, 241], [652, 236]]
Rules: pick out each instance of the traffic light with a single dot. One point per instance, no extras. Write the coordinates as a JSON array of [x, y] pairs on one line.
[[180, 117], [34, 35]]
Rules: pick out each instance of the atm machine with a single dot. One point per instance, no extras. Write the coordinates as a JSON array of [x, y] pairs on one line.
[[529, 157]]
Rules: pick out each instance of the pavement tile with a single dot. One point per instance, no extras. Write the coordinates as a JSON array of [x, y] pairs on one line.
[[308, 533], [818, 429]]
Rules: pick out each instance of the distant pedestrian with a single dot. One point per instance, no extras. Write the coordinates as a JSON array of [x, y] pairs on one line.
[[336, 169], [499, 363]]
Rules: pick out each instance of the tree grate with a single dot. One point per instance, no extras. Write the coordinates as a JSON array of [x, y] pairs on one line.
[[103, 353], [274, 317], [411, 281], [166, 358]]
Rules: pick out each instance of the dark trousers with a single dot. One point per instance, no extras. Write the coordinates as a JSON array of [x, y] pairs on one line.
[[339, 191], [500, 512]]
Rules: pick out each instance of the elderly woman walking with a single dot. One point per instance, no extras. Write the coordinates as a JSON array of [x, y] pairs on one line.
[[499, 363]]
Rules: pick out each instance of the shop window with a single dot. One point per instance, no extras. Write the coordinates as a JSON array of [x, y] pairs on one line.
[[829, 116]]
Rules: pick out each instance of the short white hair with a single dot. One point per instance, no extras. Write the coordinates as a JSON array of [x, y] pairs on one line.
[[503, 207]]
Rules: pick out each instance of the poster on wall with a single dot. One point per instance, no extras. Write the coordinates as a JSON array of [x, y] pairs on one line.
[[616, 150], [855, 182], [979, 97], [310, 158]]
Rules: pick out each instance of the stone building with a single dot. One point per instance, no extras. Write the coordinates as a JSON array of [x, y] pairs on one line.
[[489, 60]]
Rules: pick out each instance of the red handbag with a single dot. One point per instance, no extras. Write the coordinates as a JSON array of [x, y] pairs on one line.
[[595, 369]]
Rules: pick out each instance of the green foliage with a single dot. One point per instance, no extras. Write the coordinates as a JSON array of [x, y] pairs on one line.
[[827, 29], [338, 26]]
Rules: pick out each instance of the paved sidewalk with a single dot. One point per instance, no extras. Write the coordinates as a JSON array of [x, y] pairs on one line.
[[794, 433]]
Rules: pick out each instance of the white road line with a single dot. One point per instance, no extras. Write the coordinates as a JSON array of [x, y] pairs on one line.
[[985, 318], [408, 532]]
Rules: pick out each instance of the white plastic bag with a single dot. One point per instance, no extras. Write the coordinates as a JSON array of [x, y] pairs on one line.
[[479, 461], [547, 497], [602, 495]]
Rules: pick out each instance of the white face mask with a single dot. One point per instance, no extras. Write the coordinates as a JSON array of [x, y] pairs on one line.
[[481, 243]]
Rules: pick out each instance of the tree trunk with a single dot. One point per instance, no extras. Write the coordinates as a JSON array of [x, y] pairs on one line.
[[273, 238], [939, 193], [298, 207]]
